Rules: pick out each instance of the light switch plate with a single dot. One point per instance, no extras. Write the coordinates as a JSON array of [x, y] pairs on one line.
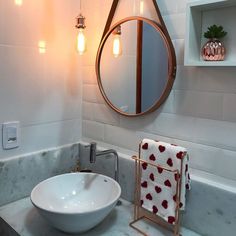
[[10, 135]]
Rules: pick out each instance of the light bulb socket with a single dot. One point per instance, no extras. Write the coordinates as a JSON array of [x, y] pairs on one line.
[[117, 30], [80, 22]]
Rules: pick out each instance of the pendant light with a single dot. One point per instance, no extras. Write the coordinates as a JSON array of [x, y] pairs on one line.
[[81, 39]]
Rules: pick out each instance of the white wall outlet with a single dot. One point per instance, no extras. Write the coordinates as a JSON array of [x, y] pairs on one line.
[[10, 135]]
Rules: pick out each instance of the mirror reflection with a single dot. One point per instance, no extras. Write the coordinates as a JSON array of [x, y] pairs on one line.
[[134, 67]]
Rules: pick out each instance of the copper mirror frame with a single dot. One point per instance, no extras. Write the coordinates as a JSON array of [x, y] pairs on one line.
[[161, 28]]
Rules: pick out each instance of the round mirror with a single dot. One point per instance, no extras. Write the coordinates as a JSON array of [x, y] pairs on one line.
[[135, 66]]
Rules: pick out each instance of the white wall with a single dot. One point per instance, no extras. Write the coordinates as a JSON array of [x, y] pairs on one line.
[[42, 91], [199, 113]]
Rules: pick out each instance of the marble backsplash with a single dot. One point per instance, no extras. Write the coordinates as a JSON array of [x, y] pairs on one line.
[[19, 175], [210, 211]]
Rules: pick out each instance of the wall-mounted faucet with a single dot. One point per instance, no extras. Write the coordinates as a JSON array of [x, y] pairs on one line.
[[94, 153]]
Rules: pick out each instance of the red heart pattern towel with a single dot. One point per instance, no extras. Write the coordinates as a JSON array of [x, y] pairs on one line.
[[158, 185]]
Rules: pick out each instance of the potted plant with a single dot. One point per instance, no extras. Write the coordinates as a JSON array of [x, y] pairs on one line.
[[214, 49]]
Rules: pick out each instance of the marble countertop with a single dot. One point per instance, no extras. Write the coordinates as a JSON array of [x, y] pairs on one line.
[[25, 220]]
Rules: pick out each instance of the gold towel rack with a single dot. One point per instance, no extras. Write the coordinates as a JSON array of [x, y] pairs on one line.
[[142, 214]]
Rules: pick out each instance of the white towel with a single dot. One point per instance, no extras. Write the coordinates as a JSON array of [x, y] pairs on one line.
[[158, 186]]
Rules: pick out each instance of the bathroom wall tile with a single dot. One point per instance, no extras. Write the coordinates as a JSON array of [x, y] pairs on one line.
[[127, 8], [75, 7], [202, 131], [91, 93], [171, 125], [89, 75], [49, 18], [54, 92], [92, 129], [20, 30], [87, 111], [115, 135], [90, 4], [2, 23], [215, 133], [216, 79], [228, 107], [175, 24], [105, 9], [143, 135], [62, 87], [59, 18], [181, 5], [179, 50], [209, 159], [108, 3], [102, 113], [44, 136], [17, 83], [40, 90], [52, 134], [2, 6], [138, 123], [198, 104], [62, 90], [207, 79], [186, 78], [168, 105], [20, 174], [202, 157], [167, 7]]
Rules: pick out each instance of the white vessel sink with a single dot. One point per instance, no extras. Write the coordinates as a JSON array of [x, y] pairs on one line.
[[76, 202]]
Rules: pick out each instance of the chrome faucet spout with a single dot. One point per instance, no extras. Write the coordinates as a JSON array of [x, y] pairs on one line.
[[94, 153], [115, 154], [93, 149]]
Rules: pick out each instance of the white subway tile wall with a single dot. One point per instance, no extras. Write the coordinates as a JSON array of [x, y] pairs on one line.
[[199, 114], [42, 91]]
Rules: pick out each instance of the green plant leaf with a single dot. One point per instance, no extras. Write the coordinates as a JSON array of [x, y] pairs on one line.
[[215, 31]]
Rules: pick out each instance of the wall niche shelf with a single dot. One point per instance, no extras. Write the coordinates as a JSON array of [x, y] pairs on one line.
[[202, 14]]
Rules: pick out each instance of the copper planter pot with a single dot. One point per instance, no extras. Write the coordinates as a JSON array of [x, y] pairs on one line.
[[213, 50]]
